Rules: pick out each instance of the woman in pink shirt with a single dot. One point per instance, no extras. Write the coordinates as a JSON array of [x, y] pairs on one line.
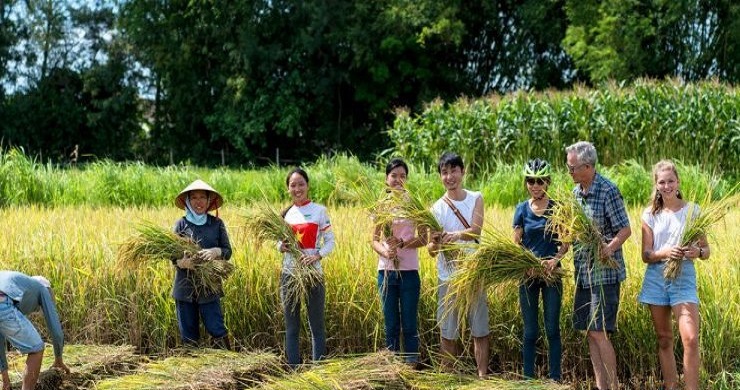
[[398, 273]]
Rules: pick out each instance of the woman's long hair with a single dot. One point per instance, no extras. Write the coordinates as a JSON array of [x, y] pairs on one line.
[[662, 165]]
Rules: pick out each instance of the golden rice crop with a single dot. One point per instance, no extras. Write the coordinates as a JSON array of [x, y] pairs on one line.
[[152, 243], [698, 224], [408, 205], [267, 224], [496, 259], [572, 225]]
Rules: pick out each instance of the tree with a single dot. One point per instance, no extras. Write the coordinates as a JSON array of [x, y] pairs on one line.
[[622, 40]]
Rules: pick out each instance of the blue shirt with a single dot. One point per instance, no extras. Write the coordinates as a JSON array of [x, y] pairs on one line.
[[29, 295], [535, 238], [209, 235], [605, 205]]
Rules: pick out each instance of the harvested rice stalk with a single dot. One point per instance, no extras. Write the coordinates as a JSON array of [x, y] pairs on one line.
[[573, 225], [425, 380], [267, 224], [199, 369], [210, 275], [699, 222], [496, 259], [407, 205], [152, 243], [380, 370]]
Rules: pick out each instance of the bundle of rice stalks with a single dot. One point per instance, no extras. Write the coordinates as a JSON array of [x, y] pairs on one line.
[[698, 224], [299, 282], [496, 259], [408, 205], [573, 225], [87, 363], [210, 274], [379, 205], [402, 204], [152, 243], [382, 370], [267, 224], [200, 369], [424, 380]]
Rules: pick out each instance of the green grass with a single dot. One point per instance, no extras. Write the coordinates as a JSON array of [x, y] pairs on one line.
[[24, 181]]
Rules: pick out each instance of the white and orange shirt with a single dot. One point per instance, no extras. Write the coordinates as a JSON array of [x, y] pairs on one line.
[[311, 225]]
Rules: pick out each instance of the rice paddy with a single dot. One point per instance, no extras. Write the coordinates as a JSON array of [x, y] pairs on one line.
[[76, 247]]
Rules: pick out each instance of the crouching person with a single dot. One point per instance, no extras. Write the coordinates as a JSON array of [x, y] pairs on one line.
[[21, 295]]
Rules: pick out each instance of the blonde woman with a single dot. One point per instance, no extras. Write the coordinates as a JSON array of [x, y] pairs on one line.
[[662, 226]]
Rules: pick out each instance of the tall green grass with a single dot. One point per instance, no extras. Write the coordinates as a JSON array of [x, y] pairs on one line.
[[24, 181], [696, 123], [75, 247]]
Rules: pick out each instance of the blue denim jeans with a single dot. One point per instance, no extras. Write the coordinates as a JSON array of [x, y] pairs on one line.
[[18, 329], [189, 315], [315, 305], [552, 297], [399, 295]]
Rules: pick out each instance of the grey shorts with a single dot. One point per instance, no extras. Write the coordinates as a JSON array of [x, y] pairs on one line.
[[596, 307], [448, 318]]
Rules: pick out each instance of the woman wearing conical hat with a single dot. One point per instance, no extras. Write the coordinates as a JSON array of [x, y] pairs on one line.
[[209, 232]]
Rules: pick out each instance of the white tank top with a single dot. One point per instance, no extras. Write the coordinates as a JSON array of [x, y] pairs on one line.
[[450, 223]]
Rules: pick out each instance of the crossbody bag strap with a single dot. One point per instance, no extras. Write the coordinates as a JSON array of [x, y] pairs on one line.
[[457, 212]]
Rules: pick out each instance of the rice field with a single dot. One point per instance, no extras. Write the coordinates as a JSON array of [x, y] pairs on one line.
[[101, 303]]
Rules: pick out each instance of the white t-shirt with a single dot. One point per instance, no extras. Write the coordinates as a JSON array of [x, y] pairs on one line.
[[450, 223], [668, 225], [312, 228]]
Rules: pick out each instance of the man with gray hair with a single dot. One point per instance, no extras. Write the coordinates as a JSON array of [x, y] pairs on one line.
[[596, 299], [21, 295]]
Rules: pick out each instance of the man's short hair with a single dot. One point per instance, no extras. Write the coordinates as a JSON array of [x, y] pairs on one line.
[[585, 152], [450, 159]]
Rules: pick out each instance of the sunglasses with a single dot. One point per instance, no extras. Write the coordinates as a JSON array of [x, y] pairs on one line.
[[531, 181]]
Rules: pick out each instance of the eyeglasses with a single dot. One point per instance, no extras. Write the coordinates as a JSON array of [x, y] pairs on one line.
[[572, 169], [539, 181]]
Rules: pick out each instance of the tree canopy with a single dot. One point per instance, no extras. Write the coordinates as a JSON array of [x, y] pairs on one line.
[[215, 81]]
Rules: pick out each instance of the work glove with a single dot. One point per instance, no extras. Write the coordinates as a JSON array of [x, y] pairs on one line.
[[186, 262], [210, 253]]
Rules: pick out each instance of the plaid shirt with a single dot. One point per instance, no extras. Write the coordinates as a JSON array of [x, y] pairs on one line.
[[605, 205]]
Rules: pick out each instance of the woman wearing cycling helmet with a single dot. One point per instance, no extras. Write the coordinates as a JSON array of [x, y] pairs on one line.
[[530, 218]]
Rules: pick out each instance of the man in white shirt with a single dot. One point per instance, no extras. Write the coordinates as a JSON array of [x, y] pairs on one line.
[[460, 212]]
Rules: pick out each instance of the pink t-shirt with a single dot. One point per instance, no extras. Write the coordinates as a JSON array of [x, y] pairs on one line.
[[408, 258]]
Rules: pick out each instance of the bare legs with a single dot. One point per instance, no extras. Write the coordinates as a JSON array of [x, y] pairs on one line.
[[687, 316], [33, 367], [482, 352], [604, 360]]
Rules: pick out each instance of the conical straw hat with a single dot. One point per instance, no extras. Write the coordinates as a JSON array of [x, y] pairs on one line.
[[216, 199]]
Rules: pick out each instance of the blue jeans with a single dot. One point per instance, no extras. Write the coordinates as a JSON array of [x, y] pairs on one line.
[[18, 329], [292, 312], [189, 315], [552, 297], [399, 295]]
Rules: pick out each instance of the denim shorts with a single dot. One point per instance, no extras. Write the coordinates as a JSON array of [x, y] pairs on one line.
[[656, 290], [595, 308], [18, 329], [448, 318]]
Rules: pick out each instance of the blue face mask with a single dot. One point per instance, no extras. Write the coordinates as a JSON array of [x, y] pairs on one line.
[[192, 216]]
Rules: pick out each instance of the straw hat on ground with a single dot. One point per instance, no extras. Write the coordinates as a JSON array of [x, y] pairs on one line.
[[216, 199]]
